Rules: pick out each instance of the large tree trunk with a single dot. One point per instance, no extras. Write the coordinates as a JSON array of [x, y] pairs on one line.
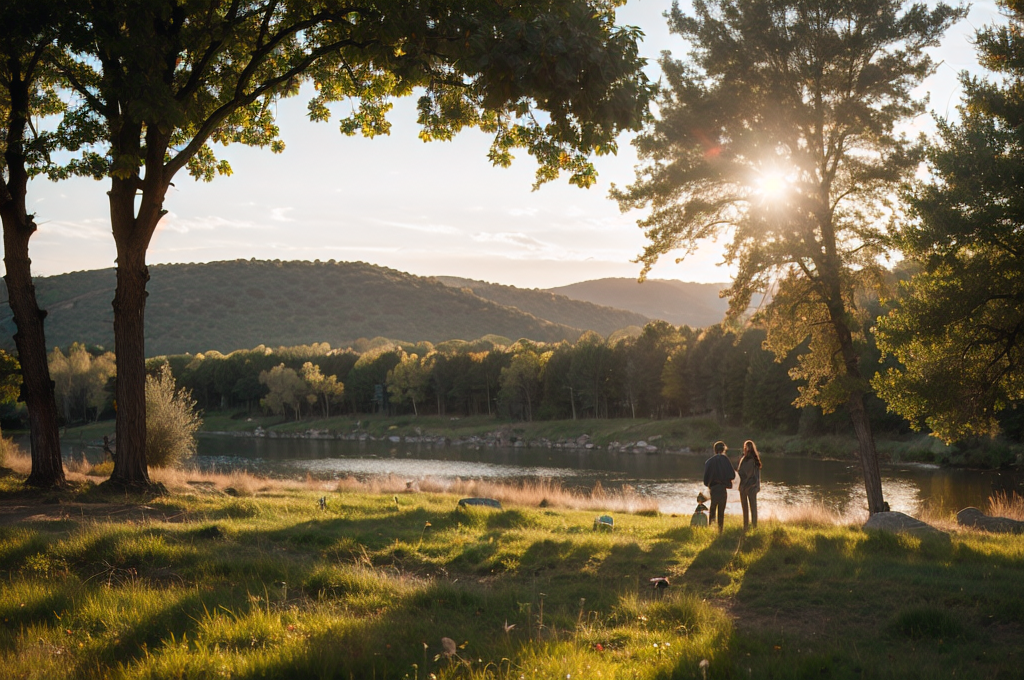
[[18, 225], [130, 467], [37, 388], [132, 240], [855, 407], [868, 455]]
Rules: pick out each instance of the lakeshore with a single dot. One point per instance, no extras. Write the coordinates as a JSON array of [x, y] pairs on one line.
[[234, 576], [647, 436]]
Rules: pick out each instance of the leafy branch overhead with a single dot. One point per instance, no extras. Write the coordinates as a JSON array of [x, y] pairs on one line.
[[557, 79]]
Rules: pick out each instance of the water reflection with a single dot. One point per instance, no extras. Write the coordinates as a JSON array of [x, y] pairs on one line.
[[673, 479]]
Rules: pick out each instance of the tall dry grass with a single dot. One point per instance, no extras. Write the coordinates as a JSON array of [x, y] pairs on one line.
[[547, 493], [812, 514], [1002, 504]]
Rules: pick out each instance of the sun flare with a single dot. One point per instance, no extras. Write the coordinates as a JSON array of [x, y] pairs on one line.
[[772, 184]]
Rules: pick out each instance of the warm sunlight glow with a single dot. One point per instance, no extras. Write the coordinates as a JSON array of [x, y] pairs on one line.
[[772, 184]]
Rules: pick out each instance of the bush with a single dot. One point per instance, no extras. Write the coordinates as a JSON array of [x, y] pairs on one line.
[[171, 421], [5, 443]]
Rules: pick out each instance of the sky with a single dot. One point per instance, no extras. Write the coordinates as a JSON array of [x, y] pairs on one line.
[[437, 208]]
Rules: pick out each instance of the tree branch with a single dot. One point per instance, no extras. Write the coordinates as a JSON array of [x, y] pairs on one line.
[[210, 125]]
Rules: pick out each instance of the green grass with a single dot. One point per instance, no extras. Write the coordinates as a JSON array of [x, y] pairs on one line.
[[204, 585]]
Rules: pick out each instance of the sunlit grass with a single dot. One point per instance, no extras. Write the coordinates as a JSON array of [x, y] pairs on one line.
[[263, 583]]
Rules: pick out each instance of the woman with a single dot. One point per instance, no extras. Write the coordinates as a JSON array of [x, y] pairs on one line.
[[749, 471]]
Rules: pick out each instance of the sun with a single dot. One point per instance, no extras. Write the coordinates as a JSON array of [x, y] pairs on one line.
[[772, 184]]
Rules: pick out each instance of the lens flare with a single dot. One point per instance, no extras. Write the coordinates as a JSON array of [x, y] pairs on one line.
[[772, 184]]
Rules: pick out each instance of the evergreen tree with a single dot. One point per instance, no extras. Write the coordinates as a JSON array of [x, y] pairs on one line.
[[780, 132], [957, 328]]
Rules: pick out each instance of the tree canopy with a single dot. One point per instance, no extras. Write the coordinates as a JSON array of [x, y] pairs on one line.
[[161, 82], [779, 133], [958, 325]]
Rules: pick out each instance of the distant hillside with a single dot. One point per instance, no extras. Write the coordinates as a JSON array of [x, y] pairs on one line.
[[678, 302], [241, 304], [547, 305]]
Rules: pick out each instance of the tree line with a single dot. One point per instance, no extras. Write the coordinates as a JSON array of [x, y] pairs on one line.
[[663, 371]]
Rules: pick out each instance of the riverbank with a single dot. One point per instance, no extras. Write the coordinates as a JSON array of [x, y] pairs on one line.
[[670, 435], [223, 577]]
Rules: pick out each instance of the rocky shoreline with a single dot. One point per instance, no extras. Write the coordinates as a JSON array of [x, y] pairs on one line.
[[497, 439]]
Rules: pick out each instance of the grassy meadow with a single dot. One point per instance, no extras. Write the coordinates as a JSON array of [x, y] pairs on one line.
[[233, 576]]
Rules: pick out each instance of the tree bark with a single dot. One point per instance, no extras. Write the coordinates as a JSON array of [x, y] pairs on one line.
[[37, 388], [30, 339], [130, 467], [131, 236], [868, 454], [858, 416]]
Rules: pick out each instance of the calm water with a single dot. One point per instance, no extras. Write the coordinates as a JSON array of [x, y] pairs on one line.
[[674, 479]]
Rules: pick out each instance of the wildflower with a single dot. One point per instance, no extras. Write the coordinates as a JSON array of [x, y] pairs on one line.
[[599, 647]]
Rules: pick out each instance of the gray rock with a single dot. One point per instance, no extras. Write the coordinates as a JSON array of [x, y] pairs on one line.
[[899, 523], [972, 517]]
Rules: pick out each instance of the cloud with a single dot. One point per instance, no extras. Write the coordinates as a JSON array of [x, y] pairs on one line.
[[89, 230], [425, 228], [278, 214], [512, 238], [184, 225], [523, 212]]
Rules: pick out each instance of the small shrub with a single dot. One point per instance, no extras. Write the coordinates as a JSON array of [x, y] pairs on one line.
[[171, 421], [7, 446], [104, 469]]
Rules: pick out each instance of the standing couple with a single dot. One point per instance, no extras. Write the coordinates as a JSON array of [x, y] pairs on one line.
[[718, 476]]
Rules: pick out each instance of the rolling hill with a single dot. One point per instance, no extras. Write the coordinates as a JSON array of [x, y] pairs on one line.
[[547, 305], [244, 303], [678, 302]]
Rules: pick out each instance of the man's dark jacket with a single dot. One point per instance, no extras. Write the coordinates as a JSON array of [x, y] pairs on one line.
[[718, 471]]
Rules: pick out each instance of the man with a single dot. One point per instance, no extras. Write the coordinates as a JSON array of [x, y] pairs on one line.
[[718, 476]]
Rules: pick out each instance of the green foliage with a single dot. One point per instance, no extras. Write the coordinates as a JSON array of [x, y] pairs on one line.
[[10, 378], [82, 381], [241, 304], [516, 74], [521, 380], [576, 312], [171, 421], [323, 389], [408, 381], [285, 390], [781, 133], [956, 328]]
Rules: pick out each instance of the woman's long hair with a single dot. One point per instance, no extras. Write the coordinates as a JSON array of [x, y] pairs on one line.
[[750, 451]]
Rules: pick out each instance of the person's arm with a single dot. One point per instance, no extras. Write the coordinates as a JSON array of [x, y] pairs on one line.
[[707, 474]]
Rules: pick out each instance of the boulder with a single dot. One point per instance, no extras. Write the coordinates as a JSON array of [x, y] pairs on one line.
[[899, 523], [972, 517]]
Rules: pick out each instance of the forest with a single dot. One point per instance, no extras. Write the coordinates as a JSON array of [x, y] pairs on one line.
[[664, 371]]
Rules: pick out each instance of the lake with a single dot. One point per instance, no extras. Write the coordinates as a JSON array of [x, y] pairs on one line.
[[672, 479]]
